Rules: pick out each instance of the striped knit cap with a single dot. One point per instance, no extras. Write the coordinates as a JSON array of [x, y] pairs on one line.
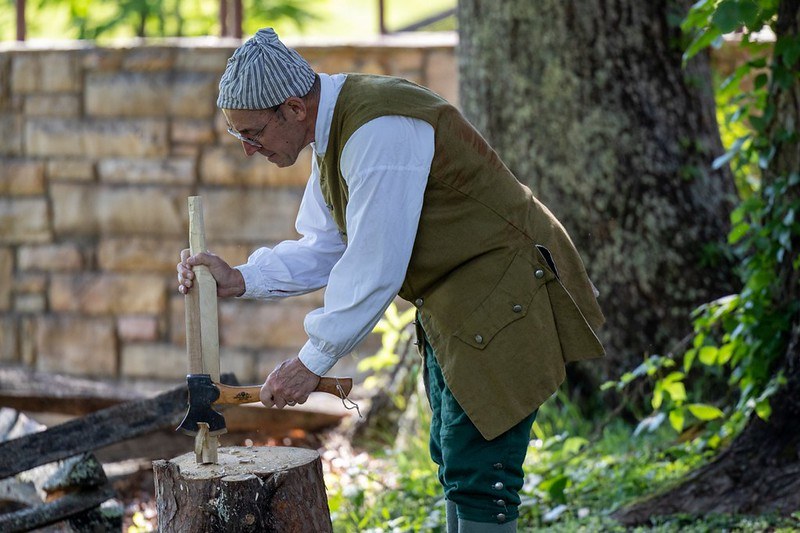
[[263, 73]]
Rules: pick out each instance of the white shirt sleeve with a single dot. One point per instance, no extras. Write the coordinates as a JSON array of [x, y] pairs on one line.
[[386, 164], [297, 267]]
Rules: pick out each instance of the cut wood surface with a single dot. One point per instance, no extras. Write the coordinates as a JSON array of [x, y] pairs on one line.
[[264, 489]]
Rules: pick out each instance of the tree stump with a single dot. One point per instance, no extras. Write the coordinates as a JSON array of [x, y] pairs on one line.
[[264, 489]]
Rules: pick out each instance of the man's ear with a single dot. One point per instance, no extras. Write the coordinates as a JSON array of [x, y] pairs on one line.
[[296, 108]]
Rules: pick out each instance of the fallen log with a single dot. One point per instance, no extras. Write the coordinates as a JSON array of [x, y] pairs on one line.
[[26, 390], [73, 491], [99, 429], [250, 489], [50, 513]]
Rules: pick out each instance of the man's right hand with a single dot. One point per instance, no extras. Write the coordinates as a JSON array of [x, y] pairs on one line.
[[229, 280]]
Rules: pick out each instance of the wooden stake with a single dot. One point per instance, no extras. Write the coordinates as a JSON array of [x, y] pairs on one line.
[[202, 326]]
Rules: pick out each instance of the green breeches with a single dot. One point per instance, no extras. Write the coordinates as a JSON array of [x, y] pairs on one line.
[[481, 477]]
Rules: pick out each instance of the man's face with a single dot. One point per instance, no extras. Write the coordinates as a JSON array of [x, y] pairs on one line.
[[279, 134]]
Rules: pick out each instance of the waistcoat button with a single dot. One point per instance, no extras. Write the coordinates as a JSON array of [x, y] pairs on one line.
[[501, 503], [478, 339], [517, 308], [418, 302], [539, 274], [498, 466], [498, 486], [501, 517]]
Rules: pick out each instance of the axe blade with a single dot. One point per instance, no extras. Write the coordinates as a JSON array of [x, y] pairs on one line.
[[202, 393]]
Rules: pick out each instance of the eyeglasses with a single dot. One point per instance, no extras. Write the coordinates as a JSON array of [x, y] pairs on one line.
[[252, 140]]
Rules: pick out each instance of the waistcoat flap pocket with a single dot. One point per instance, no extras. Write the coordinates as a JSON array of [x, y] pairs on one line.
[[509, 301]]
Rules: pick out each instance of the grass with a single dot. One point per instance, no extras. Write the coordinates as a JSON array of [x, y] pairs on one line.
[[576, 475]]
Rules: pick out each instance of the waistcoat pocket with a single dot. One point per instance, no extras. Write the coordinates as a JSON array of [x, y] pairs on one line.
[[508, 302]]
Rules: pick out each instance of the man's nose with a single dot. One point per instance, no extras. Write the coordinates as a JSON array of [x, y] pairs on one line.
[[249, 149]]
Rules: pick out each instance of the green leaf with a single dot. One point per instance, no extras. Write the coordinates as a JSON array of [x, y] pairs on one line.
[[791, 54], [688, 359], [749, 15], [738, 231], [608, 385], [555, 487], [707, 38], [574, 444], [676, 419], [757, 122], [760, 81], [658, 395], [538, 432], [728, 16], [703, 411], [708, 355], [677, 391], [763, 409], [724, 354]]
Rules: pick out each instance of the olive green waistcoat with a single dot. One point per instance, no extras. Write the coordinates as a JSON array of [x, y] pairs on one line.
[[502, 293]]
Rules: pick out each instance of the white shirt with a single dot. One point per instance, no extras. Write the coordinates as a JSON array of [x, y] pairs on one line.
[[385, 164]]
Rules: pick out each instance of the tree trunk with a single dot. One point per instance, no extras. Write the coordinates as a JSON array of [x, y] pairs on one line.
[[257, 489], [588, 104], [760, 471]]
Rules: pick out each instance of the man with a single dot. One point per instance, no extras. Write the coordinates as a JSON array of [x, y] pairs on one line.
[[405, 197]]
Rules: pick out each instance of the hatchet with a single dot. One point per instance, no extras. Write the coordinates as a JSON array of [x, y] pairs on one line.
[[204, 393]]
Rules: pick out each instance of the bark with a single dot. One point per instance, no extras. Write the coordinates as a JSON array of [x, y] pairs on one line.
[[760, 471], [251, 489], [588, 104]]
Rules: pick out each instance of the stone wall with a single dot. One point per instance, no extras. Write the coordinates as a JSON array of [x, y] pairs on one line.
[[99, 150]]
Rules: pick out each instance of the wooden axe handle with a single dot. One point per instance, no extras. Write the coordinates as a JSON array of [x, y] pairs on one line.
[[234, 395]]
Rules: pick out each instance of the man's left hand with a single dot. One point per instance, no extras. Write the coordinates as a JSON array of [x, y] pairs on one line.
[[289, 384]]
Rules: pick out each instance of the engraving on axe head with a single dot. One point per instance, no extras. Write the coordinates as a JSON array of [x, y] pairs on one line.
[[202, 393]]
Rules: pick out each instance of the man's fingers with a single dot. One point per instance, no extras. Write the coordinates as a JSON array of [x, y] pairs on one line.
[[185, 274], [279, 403], [265, 395]]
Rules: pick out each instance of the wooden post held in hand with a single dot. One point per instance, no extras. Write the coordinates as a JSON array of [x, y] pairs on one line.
[[202, 328]]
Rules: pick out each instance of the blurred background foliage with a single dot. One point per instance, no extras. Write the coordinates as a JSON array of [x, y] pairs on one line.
[[108, 19]]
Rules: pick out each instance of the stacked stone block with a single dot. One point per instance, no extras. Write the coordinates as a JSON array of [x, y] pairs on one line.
[[99, 150]]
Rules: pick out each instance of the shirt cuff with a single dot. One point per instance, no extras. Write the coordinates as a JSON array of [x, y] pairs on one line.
[[315, 360], [251, 275]]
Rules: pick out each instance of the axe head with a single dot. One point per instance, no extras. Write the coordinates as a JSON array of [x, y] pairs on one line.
[[202, 393]]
